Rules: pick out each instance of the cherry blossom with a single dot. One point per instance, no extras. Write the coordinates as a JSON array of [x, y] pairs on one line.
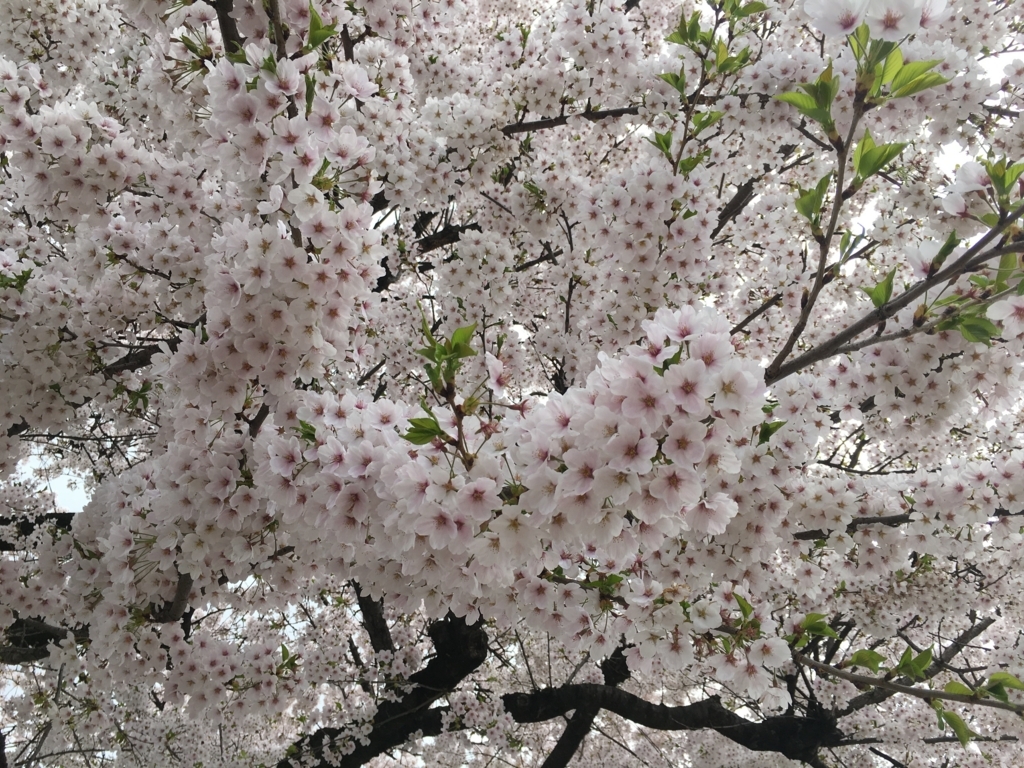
[[456, 382]]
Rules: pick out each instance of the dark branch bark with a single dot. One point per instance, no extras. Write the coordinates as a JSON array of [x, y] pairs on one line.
[[616, 672], [445, 236], [138, 358], [733, 208], [29, 640], [174, 610], [572, 737], [228, 30], [27, 525], [889, 520], [374, 623], [798, 738], [459, 650], [554, 122]]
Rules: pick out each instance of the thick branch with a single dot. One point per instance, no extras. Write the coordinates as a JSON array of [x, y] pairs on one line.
[[798, 738], [616, 672], [460, 649], [138, 358], [228, 30], [554, 122], [448, 235], [30, 639], [25, 526], [174, 610], [733, 208], [374, 623]]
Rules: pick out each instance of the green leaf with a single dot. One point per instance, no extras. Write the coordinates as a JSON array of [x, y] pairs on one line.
[[316, 39], [977, 329], [1008, 264], [423, 431], [463, 336], [959, 688], [869, 159], [859, 40], [809, 203], [676, 81], [905, 660], [802, 101], [910, 72], [749, 10], [997, 691], [306, 431], [310, 94], [1005, 679], [745, 608], [315, 22], [18, 282], [893, 64], [1013, 173], [814, 624], [767, 430], [922, 662], [922, 83], [867, 658], [882, 292], [820, 628], [663, 141], [866, 144], [703, 120], [947, 248], [914, 668], [963, 733]]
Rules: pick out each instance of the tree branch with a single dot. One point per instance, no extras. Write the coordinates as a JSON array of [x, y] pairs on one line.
[[877, 695], [228, 30], [30, 639], [828, 348], [174, 610], [554, 122], [889, 520], [25, 526], [374, 623], [459, 648], [616, 672], [922, 693]]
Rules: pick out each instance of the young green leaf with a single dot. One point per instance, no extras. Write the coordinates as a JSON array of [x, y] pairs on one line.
[[867, 658], [910, 71], [423, 431], [869, 159], [882, 292], [767, 430], [745, 608], [977, 329], [918, 84], [1005, 679], [959, 727]]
